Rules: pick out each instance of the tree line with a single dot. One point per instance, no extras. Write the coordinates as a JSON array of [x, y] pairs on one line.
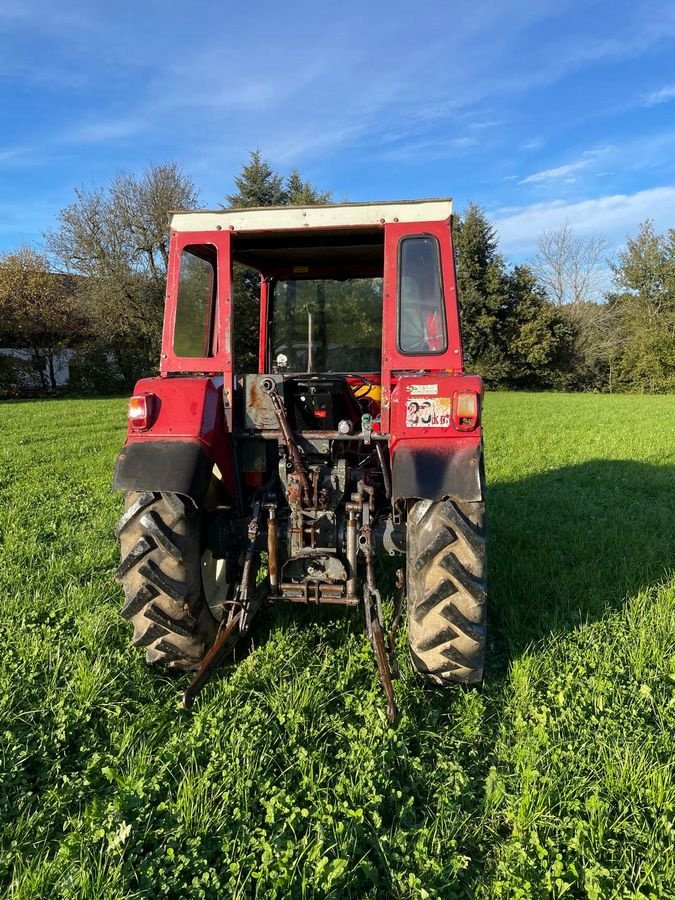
[[98, 290]]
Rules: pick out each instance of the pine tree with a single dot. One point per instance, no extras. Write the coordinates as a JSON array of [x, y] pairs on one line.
[[258, 185], [302, 193], [480, 280]]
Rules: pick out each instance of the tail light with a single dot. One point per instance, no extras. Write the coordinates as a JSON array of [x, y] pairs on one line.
[[465, 410], [140, 411]]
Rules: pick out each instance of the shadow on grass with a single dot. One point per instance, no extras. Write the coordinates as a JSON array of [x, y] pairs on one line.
[[568, 544]]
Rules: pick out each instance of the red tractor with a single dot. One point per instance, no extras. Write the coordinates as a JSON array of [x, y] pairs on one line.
[[359, 435]]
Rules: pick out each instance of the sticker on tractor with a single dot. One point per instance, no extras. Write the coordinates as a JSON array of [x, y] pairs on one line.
[[422, 390], [434, 413]]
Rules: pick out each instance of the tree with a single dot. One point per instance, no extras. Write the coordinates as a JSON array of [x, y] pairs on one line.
[[37, 310], [480, 271], [596, 345], [570, 268], [644, 301], [511, 334], [259, 185], [117, 239], [303, 193], [645, 268]]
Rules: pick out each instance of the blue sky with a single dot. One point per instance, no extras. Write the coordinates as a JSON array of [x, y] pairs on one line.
[[538, 111]]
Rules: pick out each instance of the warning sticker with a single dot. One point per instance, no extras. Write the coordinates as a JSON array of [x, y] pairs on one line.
[[422, 390], [433, 413]]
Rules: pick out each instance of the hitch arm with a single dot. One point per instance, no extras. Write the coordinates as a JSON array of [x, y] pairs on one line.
[[374, 624], [234, 626], [229, 635], [268, 386]]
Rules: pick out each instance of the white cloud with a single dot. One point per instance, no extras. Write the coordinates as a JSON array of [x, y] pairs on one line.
[[559, 172], [8, 154], [110, 130], [661, 96], [438, 148], [613, 216], [564, 171], [23, 156]]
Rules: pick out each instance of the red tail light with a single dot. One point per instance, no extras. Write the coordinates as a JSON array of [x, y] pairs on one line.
[[140, 411], [465, 410]]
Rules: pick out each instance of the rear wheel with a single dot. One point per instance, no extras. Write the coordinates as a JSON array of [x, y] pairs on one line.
[[446, 590], [161, 573]]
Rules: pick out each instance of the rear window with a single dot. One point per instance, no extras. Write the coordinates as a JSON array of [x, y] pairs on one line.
[[195, 309], [327, 325], [421, 311]]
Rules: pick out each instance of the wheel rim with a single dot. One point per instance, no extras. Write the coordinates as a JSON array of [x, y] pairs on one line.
[[215, 583]]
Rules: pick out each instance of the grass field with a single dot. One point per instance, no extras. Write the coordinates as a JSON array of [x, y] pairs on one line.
[[555, 779]]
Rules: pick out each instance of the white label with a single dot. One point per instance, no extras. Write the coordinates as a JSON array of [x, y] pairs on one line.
[[422, 390]]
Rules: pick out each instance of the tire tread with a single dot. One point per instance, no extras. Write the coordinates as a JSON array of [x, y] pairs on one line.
[[446, 590], [160, 571]]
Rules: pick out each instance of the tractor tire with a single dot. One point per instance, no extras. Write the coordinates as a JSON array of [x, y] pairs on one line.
[[446, 590], [161, 548]]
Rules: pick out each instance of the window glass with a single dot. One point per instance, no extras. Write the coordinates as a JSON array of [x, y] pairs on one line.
[[327, 325], [421, 313], [193, 334]]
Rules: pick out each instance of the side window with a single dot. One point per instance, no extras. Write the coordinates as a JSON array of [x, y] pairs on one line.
[[195, 309], [421, 313]]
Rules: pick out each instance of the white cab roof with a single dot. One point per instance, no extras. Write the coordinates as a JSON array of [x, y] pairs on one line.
[[327, 215]]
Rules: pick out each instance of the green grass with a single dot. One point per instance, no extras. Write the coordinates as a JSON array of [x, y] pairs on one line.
[[555, 779]]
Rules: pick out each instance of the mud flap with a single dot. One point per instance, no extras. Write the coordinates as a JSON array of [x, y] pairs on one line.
[[430, 470], [178, 467]]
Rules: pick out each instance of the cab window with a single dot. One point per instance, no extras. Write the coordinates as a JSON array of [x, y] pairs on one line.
[[195, 309], [421, 312]]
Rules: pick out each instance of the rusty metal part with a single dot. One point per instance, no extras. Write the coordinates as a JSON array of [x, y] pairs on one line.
[[234, 626], [272, 555], [314, 592], [315, 487], [268, 385], [373, 611], [383, 668], [393, 631], [229, 635], [351, 552], [384, 465], [241, 597], [222, 644], [294, 489], [323, 567], [327, 436]]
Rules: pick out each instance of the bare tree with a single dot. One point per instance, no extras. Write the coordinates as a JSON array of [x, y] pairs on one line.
[[570, 268], [117, 239]]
